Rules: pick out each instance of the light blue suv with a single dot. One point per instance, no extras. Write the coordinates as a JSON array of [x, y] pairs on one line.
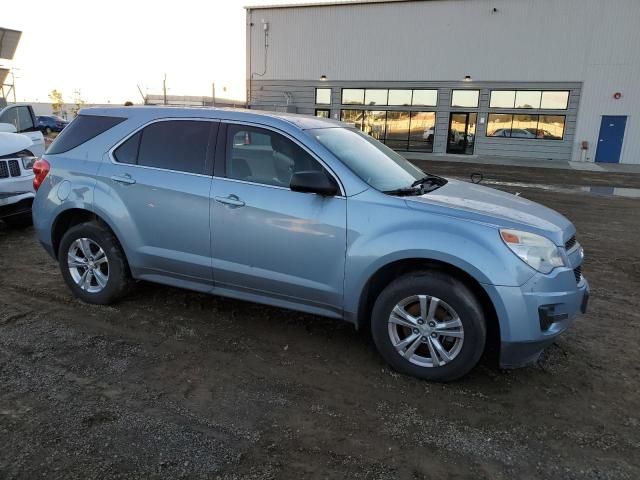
[[311, 215]]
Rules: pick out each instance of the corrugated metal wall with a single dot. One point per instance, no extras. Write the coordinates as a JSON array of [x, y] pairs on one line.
[[594, 43]]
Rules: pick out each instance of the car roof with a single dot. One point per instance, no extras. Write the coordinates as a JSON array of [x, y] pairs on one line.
[[303, 122]]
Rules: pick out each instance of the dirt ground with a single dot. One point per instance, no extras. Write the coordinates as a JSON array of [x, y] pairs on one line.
[[174, 384]]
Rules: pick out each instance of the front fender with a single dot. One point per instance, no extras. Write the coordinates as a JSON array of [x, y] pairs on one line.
[[391, 232]]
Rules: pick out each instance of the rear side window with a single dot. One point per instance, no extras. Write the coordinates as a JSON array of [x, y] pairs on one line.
[[81, 130], [179, 145]]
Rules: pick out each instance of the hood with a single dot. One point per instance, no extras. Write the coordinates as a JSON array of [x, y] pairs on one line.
[[13, 143], [501, 209]]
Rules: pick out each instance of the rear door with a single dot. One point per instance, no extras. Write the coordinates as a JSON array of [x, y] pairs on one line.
[[266, 238], [161, 177], [22, 117]]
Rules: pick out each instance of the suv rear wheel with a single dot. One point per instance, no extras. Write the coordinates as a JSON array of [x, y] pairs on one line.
[[429, 325], [93, 264]]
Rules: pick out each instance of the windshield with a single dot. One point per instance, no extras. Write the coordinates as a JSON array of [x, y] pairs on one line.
[[373, 162]]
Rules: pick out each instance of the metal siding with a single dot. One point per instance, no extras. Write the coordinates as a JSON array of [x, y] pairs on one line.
[[590, 42]]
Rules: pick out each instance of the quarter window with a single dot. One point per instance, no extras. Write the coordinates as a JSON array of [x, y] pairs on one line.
[[261, 156], [82, 129], [465, 98], [323, 96]]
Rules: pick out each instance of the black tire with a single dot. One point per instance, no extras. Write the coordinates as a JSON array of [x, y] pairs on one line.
[[22, 220], [458, 296], [118, 269]]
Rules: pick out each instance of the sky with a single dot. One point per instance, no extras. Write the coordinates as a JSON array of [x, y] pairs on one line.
[[104, 49]]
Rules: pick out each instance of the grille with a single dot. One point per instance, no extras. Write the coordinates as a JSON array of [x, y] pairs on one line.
[[577, 272], [14, 168], [4, 170], [570, 243]]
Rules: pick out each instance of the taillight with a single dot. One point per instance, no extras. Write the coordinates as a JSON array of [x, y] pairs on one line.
[[40, 169]]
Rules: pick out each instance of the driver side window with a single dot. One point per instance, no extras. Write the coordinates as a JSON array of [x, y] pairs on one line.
[[262, 156]]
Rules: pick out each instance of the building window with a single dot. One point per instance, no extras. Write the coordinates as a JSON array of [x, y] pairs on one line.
[[465, 98], [425, 98], [528, 99], [555, 100], [499, 125], [397, 136], [551, 127], [375, 123], [352, 117], [353, 96], [532, 127], [422, 129], [323, 96], [375, 97], [322, 113], [400, 98], [502, 99], [532, 99]]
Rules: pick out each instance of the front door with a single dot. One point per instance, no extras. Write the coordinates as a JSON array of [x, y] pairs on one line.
[[160, 179], [610, 138], [462, 133], [267, 239]]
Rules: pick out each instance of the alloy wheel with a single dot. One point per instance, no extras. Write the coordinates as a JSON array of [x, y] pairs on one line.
[[426, 331], [88, 265]]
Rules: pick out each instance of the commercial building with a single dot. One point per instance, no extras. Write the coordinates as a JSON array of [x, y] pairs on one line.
[[537, 79]]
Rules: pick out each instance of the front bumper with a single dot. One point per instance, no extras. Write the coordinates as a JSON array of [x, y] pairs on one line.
[[532, 316], [15, 204]]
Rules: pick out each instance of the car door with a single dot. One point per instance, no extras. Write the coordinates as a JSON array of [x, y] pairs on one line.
[[22, 117], [160, 178], [267, 239]]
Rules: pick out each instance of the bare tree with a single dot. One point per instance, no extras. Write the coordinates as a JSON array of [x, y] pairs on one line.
[[78, 102], [57, 102]]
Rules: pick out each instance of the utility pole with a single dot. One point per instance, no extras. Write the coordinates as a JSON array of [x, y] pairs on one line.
[[213, 94], [164, 88]]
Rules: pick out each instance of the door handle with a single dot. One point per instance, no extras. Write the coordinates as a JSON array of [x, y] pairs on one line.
[[231, 200], [126, 179]]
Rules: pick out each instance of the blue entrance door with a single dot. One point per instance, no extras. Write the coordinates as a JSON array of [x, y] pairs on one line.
[[610, 138]]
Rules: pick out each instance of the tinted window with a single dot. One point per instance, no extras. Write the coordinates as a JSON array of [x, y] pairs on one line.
[[374, 123], [551, 127], [464, 98], [397, 130], [322, 113], [175, 145], [262, 156], [422, 131], [81, 130], [499, 125], [128, 151], [352, 117]]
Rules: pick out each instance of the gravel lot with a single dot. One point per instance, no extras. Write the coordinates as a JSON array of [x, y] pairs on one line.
[[174, 384]]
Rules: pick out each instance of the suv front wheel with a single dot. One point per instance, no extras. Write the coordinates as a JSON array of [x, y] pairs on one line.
[[429, 325], [93, 264]]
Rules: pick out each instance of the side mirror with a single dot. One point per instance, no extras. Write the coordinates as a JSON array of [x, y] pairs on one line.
[[8, 128], [313, 182]]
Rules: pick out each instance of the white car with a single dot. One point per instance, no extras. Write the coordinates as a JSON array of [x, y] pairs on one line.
[[16, 176]]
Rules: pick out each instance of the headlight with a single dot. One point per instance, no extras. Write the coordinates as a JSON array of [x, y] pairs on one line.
[[535, 250], [27, 159]]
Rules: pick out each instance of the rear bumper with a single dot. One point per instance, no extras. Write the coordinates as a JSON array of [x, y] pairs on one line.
[[532, 316]]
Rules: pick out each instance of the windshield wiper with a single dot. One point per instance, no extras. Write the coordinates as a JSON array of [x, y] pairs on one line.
[[429, 178], [405, 191]]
